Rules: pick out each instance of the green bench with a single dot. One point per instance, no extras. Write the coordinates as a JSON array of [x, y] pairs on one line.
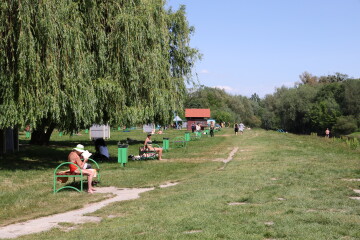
[[178, 142], [64, 175], [147, 154], [195, 136]]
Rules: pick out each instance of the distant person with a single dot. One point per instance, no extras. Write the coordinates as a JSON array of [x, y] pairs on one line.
[[236, 128], [327, 133], [74, 157], [193, 127], [101, 150], [198, 127], [148, 145], [241, 128], [212, 128]]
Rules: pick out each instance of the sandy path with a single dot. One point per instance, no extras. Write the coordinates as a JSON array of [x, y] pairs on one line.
[[75, 216], [230, 157]]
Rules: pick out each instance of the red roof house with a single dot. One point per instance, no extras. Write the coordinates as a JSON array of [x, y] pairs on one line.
[[195, 116]]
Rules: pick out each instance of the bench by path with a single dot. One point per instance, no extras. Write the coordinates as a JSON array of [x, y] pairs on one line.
[[75, 216]]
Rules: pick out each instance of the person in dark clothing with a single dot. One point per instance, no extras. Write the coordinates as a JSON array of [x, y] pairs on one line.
[[212, 127], [193, 127], [102, 152]]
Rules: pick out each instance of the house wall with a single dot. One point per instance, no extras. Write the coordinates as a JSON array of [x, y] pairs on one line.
[[202, 121]]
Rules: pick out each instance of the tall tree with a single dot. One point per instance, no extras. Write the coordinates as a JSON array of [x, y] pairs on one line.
[[69, 64]]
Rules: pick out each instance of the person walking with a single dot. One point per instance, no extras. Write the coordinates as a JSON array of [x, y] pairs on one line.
[[212, 127], [236, 128], [241, 128]]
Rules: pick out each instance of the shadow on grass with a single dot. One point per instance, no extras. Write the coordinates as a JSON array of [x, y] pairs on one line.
[[76, 184], [33, 157]]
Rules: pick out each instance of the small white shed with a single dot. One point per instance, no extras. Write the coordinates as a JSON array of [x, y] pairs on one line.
[[99, 131]]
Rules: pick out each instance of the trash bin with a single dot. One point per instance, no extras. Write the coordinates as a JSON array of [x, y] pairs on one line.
[[207, 131], [60, 134], [122, 153], [166, 144], [187, 136], [27, 134], [86, 130]]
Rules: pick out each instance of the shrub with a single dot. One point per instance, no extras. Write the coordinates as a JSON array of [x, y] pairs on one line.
[[345, 125]]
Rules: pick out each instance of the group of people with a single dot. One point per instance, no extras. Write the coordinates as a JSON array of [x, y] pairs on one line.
[[195, 127], [239, 127]]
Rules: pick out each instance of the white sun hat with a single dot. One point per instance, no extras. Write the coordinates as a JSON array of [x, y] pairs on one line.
[[79, 148]]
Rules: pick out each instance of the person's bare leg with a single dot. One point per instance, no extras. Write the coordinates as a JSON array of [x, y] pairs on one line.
[[159, 151], [90, 177]]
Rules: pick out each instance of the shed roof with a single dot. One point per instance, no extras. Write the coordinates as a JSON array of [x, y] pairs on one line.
[[197, 112]]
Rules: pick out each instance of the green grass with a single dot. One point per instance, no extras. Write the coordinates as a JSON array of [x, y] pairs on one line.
[[292, 187], [355, 134]]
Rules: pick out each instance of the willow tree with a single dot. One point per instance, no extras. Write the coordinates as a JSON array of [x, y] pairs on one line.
[[69, 64]]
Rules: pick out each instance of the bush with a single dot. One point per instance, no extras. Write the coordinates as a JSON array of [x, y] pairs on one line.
[[345, 125], [254, 122]]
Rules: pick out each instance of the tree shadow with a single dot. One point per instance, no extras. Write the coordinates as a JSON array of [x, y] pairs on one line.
[[34, 157]]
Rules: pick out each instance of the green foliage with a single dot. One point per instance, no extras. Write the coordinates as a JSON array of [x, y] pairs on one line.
[[324, 114], [222, 116], [313, 105], [290, 106], [352, 97], [74, 63], [225, 107], [354, 144], [345, 125]]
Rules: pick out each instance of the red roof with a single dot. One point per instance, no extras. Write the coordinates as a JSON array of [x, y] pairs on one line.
[[195, 112]]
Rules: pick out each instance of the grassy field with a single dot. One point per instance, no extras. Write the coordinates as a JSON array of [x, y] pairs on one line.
[[355, 135], [277, 186]]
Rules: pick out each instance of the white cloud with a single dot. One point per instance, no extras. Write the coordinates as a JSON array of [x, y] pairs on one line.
[[227, 89], [204, 71]]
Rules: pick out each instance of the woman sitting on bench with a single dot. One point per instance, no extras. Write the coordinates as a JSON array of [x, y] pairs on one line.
[[74, 157], [148, 145]]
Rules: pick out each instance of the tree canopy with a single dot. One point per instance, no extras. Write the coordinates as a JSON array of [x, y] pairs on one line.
[[315, 104], [69, 64]]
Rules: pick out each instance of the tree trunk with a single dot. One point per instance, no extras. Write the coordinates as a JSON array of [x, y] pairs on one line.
[[41, 135]]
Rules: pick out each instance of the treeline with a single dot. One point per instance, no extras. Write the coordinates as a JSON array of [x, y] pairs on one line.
[[314, 104], [225, 107]]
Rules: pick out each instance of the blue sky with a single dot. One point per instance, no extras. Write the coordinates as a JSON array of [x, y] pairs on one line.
[[255, 46]]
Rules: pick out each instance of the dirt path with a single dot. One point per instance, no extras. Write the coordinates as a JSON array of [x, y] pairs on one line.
[[230, 157], [76, 216]]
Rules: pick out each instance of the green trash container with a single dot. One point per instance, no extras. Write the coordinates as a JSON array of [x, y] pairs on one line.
[[60, 134], [27, 134], [207, 131], [119, 128], [122, 154], [86, 130], [187, 136], [166, 144]]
